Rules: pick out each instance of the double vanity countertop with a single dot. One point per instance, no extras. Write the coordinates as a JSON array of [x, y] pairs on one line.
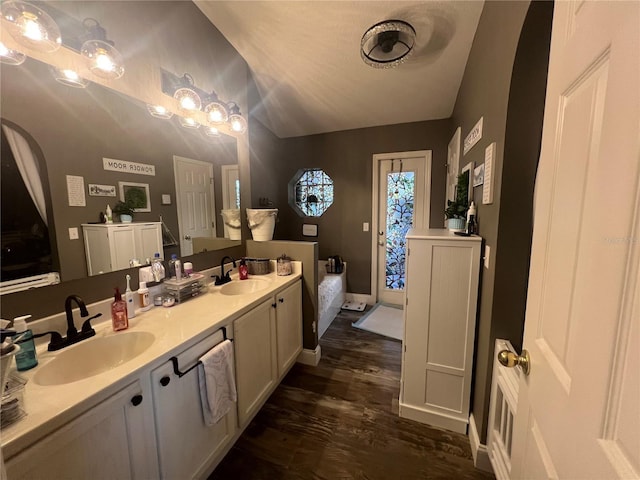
[[174, 329]]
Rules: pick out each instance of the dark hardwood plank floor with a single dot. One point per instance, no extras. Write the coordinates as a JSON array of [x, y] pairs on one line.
[[340, 420]]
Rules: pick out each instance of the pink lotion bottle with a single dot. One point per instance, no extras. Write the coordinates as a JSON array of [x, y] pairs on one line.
[[243, 272], [119, 312]]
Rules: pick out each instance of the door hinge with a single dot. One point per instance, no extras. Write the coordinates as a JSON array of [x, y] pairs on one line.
[[406, 301], [408, 249]]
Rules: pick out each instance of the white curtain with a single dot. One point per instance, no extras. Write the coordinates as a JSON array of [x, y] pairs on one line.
[[28, 166]]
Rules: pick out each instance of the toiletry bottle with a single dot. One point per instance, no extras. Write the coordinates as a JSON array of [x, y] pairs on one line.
[[242, 270], [119, 312], [109, 214], [26, 357], [472, 226], [188, 269], [143, 297], [157, 268], [175, 267], [129, 298]]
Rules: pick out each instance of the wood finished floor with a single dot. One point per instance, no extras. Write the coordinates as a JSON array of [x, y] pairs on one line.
[[340, 420]]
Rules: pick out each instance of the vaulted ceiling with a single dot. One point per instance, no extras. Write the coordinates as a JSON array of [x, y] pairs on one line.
[[305, 59]]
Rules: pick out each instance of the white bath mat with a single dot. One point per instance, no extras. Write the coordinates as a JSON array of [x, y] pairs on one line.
[[384, 320], [355, 306]]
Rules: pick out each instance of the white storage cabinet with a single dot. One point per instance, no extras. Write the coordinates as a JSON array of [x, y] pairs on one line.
[[441, 295], [110, 246]]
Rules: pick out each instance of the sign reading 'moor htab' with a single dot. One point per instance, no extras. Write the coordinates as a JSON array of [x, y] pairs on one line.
[[128, 167]]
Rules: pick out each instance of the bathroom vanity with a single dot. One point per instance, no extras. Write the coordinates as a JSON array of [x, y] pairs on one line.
[[128, 413]]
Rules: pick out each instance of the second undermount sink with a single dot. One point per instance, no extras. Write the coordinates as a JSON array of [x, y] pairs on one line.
[[93, 356], [242, 287]]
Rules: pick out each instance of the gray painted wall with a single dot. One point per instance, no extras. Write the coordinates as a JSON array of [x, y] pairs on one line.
[[347, 157]]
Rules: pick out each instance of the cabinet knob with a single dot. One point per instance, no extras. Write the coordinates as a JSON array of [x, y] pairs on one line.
[[164, 381], [136, 400], [274, 305], [281, 300]]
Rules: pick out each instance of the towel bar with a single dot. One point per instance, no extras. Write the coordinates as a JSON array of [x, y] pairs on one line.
[[174, 360]]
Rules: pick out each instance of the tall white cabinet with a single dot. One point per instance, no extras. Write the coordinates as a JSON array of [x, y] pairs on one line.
[[441, 296], [110, 246]]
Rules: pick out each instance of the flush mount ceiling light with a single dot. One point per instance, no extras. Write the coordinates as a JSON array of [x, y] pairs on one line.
[[10, 56], [159, 111], [215, 110], [387, 44], [236, 121], [69, 77], [31, 26], [100, 53], [188, 122]]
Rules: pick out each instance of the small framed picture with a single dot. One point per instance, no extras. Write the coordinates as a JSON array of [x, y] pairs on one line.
[[137, 194], [478, 175], [96, 190]]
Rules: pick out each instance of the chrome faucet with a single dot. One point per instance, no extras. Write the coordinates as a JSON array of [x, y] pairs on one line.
[[73, 336], [224, 277]]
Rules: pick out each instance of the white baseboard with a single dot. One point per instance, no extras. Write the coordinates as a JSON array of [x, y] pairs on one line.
[[361, 297], [310, 357], [478, 450]]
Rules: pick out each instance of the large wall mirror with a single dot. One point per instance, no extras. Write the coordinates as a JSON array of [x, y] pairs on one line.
[[69, 132]]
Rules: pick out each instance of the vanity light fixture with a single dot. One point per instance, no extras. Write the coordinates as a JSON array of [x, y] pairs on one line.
[[69, 77], [211, 131], [188, 122], [215, 110], [188, 99], [236, 121], [387, 44], [10, 56], [100, 53], [159, 111], [31, 26]]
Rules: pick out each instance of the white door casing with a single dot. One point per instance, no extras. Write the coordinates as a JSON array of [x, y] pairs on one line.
[[453, 165], [578, 413], [420, 163], [230, 175], [194, 201]]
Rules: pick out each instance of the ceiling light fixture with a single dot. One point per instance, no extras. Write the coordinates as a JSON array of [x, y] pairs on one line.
[[69, 77], [188, 122], [31, 26], [236, 121], [215, 110], [159, 111], [387, 44], [100, 53], [188, 99], [10, 56], [211, 132]]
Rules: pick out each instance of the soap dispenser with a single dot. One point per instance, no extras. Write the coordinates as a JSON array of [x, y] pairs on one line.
[[119, 312], [26, 357]]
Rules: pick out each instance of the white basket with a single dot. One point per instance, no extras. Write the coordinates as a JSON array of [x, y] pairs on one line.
[[262, 222]]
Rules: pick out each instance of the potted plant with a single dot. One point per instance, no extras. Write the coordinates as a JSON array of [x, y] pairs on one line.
[[456, 211], [125, 210]]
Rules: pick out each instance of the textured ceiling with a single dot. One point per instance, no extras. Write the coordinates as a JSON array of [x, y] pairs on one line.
[[305, 59]]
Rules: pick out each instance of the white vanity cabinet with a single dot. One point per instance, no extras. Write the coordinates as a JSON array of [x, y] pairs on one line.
[[110, 246], [441, 295], [108, 441], [187, 447], [268, 340]]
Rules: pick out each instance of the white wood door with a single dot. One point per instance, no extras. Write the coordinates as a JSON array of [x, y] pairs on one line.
[[289, 326], [230, 186], [148, 240], [453, 166], [398, 209], [578, 413], [194, 201]]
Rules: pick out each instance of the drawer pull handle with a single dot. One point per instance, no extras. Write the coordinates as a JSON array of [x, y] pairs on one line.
[[136, 400], [164, 381]]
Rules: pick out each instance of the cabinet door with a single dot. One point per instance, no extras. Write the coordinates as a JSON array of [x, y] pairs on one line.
[[123, 246], [148, 240], [97, 250], [187, 447], [256, 358], [108, 441], [289, 326]]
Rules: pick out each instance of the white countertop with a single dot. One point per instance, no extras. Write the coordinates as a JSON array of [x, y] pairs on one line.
[[174, 328]]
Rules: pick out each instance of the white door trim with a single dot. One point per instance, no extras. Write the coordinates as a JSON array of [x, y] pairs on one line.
[[377, 158]]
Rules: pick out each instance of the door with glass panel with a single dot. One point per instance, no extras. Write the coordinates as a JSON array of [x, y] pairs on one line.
[[402, 197]]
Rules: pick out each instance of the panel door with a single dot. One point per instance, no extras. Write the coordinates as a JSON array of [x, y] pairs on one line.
[[289, 326], [149, 240], [122, 242]]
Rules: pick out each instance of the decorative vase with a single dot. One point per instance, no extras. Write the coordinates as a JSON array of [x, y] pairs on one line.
[[124, 218], [456, 224]]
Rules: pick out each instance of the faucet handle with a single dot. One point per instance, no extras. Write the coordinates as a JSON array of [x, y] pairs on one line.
[[86, 325], [55, 343]]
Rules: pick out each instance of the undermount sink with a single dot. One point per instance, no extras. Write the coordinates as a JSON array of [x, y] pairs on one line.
[[242, 287], [93, 356]]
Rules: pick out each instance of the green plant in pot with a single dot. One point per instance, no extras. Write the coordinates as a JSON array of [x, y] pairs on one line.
[[125, 210], [456, 211]]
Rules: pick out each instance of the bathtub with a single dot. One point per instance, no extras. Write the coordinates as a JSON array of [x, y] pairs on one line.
[[332, 289]]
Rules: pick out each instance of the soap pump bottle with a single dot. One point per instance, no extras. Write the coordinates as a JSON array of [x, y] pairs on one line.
[[26, 357], [109, 214], [119, 312], [472, 226], [129, 298], [243, 272]]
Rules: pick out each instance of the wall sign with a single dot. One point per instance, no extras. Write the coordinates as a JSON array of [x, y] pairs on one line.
[[96, 190], [128, 167], [473, 137], [75, 191], [487, 187]]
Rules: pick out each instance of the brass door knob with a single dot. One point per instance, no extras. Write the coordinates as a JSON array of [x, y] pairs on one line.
[[510, 359]]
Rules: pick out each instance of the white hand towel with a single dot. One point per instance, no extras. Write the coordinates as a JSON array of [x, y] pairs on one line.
[[217, 382]]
